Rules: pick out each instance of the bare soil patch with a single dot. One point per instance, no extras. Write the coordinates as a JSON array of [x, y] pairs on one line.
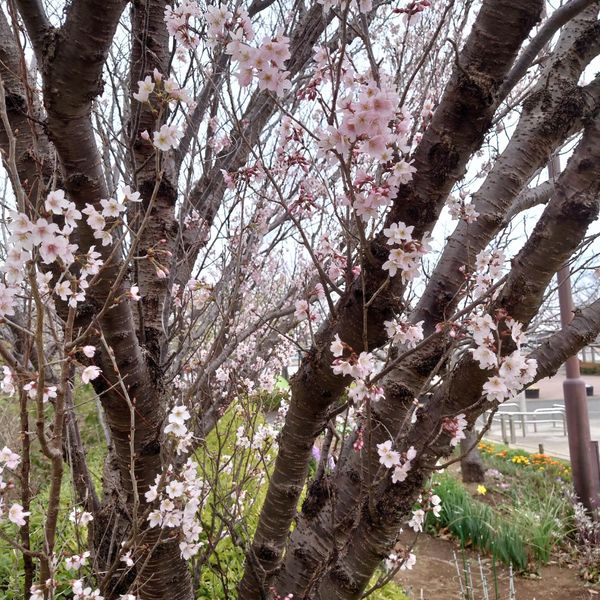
[[434, 577]]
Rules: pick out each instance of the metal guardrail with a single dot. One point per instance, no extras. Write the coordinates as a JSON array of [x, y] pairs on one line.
[[509, 421]]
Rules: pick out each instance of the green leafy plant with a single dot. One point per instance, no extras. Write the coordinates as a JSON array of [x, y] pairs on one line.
[[519, 532]]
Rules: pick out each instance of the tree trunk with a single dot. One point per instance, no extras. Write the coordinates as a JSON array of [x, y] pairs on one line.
[[471, 465], [159, 570], [491, 49]]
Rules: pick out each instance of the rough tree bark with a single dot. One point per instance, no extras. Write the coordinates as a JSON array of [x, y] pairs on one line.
[[349, 522], [71, 78], [440, 160], [556, 108], [573, 208], [308, 550]]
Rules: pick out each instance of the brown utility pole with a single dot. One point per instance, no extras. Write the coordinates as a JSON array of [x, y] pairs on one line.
[[585, 464]]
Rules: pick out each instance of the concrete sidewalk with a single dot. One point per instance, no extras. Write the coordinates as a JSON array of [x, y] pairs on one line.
[[551, 437]]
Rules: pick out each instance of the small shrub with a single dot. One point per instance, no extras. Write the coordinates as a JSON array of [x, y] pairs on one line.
[[586, 534], [590, 368]]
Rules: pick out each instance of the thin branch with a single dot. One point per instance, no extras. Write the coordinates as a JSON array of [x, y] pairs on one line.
[[36, 21], [549, 28]]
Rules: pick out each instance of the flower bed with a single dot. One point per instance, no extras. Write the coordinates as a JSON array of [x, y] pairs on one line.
[[503, 456]]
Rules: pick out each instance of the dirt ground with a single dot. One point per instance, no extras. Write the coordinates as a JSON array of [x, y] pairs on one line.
[[434, 577]]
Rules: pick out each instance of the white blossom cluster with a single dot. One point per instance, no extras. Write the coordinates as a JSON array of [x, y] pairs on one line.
[[81, 591], [417, 520], [31, 389], [177, 20], [261, 435], [401, 463], [179, 499], [407, 252], [360, 367], [512, 372], [177, 428], [78, 588], [303, 311], [406, 561], [45, 239], [489, 266], [77, 561], [16, 514], [80, 518], [432, 504], [402, 333], [455, 428], [162, 91], [266, 61], [332, 261]]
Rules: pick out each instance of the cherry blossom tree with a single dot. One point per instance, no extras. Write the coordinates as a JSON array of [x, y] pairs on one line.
[[196, 194]]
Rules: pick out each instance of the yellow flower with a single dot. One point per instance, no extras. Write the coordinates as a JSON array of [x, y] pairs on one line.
[[481, 490]]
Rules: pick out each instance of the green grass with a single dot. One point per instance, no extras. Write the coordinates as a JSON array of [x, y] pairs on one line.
[[11, 562]]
